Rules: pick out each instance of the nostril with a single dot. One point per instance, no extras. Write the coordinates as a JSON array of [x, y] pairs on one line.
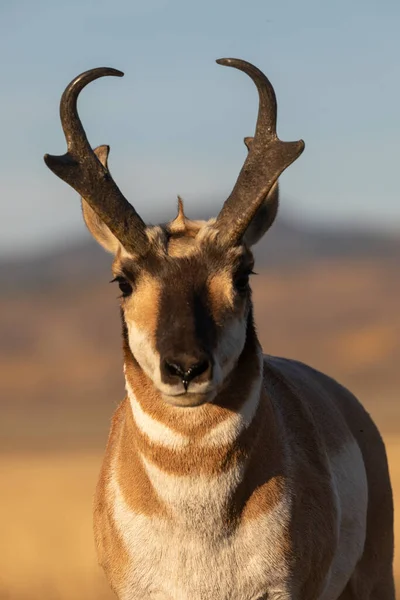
[[173, 369], [186, 368], [196, 370]]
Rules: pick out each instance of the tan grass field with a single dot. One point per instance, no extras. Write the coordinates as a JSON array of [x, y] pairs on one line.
[[46, 543]]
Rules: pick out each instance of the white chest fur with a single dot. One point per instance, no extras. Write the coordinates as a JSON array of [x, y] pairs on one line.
[[194, 554], [192, 557]]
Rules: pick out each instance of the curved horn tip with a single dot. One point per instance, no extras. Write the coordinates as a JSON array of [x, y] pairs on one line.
[[105, 71], [83, 79], [237, 63], [111, 71], [117, 72], [226, 62], [247, 67]]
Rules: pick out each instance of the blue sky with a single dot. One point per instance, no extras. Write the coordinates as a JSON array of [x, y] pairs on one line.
[[176, 121]]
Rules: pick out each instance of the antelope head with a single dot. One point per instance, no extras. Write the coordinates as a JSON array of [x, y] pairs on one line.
[[185, 295]]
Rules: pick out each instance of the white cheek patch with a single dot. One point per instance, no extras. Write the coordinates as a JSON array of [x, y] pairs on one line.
[[142, 348], [229, 348]]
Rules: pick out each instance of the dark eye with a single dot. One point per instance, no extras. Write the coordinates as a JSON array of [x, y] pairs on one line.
[[242, 281], [124, 286]]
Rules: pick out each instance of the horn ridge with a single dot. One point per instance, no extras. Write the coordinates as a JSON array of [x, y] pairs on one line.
[[267, 158], [82, 170]]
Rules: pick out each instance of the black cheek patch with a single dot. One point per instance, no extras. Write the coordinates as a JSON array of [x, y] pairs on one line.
[[125, 336]]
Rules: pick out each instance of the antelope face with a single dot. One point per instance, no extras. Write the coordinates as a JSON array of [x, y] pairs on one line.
[[185, 309], [185, 292]]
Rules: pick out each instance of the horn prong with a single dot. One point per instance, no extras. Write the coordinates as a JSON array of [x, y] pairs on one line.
[[89, 175], [267, 158]]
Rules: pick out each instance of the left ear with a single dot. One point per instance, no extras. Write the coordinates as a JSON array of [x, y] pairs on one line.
[[265, 215], [96, 226]]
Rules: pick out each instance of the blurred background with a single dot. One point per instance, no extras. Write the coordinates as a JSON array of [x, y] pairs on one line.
[[328, 287]]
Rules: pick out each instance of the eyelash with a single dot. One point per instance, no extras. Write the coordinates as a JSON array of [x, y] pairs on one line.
[[242, 281], [124, 286]]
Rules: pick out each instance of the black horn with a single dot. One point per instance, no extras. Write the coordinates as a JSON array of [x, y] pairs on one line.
[[267, 158], [82, 170]]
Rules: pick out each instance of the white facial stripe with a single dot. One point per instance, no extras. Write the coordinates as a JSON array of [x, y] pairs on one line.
[[156, 431], [223, 434], [229, 430]]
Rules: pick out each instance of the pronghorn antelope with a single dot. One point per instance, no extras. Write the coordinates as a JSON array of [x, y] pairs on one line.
[[228, 475]]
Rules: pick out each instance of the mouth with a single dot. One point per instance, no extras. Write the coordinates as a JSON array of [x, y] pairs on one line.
[[189, 399]]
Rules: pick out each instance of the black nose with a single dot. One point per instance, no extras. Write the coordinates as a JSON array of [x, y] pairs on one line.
[[186, 368]]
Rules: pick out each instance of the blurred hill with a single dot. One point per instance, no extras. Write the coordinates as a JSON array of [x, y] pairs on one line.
[[327, 297], [287, 243]]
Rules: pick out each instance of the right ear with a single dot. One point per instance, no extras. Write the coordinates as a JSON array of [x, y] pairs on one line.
[[96, 226], [266, 213]]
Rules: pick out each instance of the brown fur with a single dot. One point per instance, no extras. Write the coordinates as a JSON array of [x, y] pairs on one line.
[[220, 293], [106, 534], [302, 421], [309, 392]]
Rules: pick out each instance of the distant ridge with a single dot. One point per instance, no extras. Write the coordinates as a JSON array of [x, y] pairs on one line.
[[290, 242], [287, 243]]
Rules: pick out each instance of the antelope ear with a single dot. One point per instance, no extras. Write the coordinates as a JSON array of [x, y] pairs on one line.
[[96, 226], [263, 218], [265, 215]]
